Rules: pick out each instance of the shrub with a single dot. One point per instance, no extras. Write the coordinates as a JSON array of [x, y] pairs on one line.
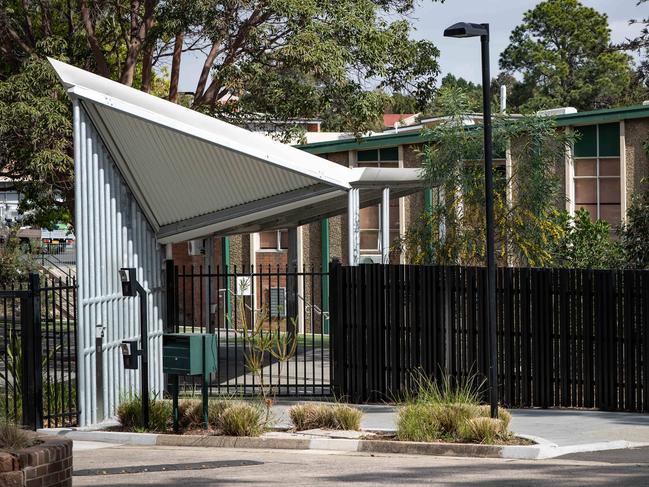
[[13, 438], [417, 422], [452, 417], [483, 430], [241, 419], [503, 414], [190, 412], [129, 414], [347, 417], [325, 416]]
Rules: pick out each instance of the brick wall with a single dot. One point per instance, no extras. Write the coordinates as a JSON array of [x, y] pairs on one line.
[[637, 164], [338, 224], [48, 464], [414, 203]]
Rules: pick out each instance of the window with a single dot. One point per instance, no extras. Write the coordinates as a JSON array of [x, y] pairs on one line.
[[273, 240], [370, 218], [379, 157], [597, 172]]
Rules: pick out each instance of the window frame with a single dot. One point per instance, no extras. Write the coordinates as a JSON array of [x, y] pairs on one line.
[[598, 176], [278, 248], [399, 209]]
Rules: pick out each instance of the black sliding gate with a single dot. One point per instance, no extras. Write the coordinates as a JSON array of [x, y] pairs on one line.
[[38, 353], [288, 303]]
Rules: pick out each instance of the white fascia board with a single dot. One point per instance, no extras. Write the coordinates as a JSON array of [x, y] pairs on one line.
[[149, 108], [386, 177]]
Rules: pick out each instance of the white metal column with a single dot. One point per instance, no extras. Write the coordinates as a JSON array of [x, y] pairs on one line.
[[112, 232], [353, 226], [385, 226]]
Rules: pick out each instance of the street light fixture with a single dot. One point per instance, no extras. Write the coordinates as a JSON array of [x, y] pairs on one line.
[[461, 30]]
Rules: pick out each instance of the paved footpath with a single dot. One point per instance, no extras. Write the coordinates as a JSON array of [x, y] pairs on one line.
[[95, 465], [561, 426]]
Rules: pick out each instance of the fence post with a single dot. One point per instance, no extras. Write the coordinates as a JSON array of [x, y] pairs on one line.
[[170, 287], [32, 379], [335, 329]]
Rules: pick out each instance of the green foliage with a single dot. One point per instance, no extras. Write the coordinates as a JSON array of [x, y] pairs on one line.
[[242, 419], [634, 233], [417, 422], [640, 45], [129, 414], [36, 142], [482, 430], [260, 345], [586, 244], [191, 413], [449, 410], [562, 49], [326, 416], [451, 84], [16, 261], [274, 61], [446, 390], [452, 231]]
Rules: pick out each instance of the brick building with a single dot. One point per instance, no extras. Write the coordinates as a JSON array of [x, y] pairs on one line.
[[600, 173]]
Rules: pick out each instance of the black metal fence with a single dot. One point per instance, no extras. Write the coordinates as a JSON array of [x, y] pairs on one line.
[[232, 302], [569, 338], [38, 353]]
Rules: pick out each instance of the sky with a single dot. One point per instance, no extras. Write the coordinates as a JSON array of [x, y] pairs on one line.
[[462, 56]]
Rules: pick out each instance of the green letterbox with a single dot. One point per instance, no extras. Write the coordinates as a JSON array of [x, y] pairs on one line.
[[188, 353]]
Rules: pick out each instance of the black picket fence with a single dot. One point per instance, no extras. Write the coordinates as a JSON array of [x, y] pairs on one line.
[[38, 353], [566, 338], [280, 301]]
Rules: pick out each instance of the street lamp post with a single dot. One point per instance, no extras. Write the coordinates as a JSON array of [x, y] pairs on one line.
[[460, 30]]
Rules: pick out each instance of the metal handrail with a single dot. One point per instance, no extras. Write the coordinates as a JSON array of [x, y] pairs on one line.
[[307, 305]]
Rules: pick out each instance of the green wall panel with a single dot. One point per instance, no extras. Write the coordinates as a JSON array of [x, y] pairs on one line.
[[586, 145], [609, 139]]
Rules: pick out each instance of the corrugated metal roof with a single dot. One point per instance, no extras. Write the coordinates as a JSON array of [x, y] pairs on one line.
[[202, 178], [192, 174]]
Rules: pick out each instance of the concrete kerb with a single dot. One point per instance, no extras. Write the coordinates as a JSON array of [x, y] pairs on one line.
[[291, 441]]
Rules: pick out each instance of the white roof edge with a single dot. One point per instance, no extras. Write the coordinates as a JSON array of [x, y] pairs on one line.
[[106, 92], [390, 176]]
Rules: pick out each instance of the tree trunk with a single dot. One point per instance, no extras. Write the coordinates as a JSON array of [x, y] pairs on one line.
[[175, 67], [147, 67]]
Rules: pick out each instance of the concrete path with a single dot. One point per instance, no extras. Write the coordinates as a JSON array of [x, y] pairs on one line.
[[561, 426], [194, 467]]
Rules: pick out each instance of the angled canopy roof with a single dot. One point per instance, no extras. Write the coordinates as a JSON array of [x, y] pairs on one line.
[[194, 175]]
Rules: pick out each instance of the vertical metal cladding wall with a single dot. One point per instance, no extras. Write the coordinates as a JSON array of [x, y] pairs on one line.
[[112, 232]]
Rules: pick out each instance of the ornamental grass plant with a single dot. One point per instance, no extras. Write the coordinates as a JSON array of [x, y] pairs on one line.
[[449, 410]]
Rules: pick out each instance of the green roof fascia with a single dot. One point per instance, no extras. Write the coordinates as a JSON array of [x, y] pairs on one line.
[[372, 142], [605, 115]]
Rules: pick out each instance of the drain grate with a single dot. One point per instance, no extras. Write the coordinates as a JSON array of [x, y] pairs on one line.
[[89, 472]]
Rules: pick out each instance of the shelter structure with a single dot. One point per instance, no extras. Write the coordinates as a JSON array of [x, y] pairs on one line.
[[148, 173]]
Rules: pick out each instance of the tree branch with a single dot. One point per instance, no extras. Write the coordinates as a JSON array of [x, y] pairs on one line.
[[100, 59]]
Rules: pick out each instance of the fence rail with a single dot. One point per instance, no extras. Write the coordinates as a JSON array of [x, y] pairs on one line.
[[569, 338], [224, 300], [38, 380]]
